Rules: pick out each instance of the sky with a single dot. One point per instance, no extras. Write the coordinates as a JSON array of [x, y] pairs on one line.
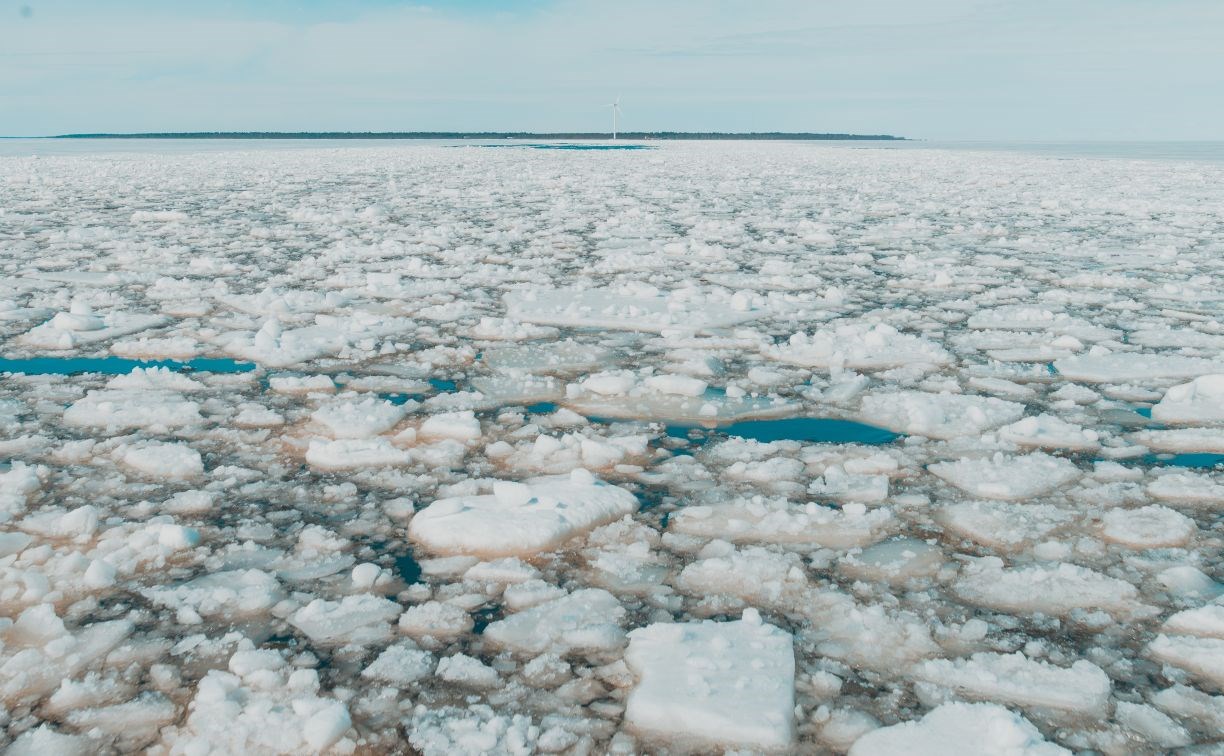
[[930, 69]]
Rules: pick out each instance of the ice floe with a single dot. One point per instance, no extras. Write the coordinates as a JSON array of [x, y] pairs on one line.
[[524, 518], [724, 683]]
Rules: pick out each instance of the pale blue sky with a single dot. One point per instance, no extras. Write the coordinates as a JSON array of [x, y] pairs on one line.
[[937, 69]]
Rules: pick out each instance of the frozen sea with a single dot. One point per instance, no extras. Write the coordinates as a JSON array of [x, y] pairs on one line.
[[429, 447]]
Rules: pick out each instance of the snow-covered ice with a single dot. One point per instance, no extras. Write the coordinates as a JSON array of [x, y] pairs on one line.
[[489, 484], [521, 518], [729, 684]]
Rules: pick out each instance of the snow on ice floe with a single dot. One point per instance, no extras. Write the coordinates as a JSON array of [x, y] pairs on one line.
[[351, 511], [16, 487], [586, 620], [672, 398], [118, 409], [274, 346], [1058, 590], [724, 683], [349, 417], [1047, 431], [521, 518], [992, 729], [858, 346], [354, 454], [1008, 477], [1117, 367], [1209, 440], [939, 416], [1187, 489], [1198, 402], [633, 311], [764, 520], [1014, 679], [261, 704], [1150, 527], [547, 357], [1004, 526], [228, 595], [79, 326], [161, 460]]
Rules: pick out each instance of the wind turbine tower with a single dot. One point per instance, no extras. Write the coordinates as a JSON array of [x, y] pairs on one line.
[[615, 106]]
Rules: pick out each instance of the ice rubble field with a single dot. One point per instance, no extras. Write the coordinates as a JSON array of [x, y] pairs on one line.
[[445, 515]]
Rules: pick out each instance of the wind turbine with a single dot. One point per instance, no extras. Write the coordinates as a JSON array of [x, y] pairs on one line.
[[615, 114]]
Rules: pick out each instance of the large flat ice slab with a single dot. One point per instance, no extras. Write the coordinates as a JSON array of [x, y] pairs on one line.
[[982, 729], [941, 416], [521, 518], [1121, 367], [1008, 477], [585, 620], [1209, 440], [1056, 590], [117, 409], [763, 520], [1016, 679], [622, 396], [600, 308], [718, 685], [858, 346]]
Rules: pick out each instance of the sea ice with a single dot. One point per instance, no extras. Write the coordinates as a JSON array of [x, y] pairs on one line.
[[940, 416], [1007, 477], [724, 684], [586, 620], [643, 311], [1118, 367], [992, 729], [521, 518], [1197, 402], [388, 534]]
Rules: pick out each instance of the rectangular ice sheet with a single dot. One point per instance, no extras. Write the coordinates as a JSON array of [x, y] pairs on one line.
[[725, 684]]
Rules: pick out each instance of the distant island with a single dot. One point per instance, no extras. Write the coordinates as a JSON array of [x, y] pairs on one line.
[[632, 135]]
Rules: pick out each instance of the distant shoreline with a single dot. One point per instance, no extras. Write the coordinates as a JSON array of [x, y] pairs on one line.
[[629, 135]]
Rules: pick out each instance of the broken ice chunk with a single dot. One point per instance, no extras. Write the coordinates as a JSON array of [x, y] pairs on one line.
[[1199, 401]]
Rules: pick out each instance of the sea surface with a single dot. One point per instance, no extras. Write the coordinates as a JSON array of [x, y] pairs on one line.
[[1211, 152]]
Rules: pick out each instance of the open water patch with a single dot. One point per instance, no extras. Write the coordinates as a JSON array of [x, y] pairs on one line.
[[118, 365], [824, 430], [811, 429], [1189, 459]]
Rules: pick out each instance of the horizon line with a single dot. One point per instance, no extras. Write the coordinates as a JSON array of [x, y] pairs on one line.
[[575, 135]]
